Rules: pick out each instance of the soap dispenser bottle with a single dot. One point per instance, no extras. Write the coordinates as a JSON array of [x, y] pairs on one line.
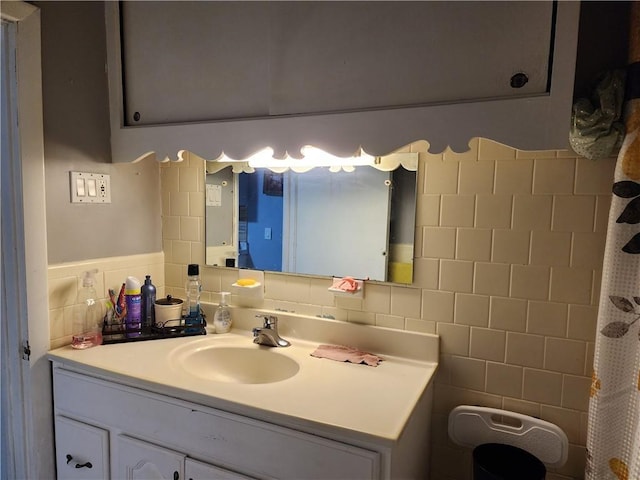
[[222, 317], [87, 315]]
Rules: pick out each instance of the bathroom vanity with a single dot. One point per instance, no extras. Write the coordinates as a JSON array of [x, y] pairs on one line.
[[220, 406]]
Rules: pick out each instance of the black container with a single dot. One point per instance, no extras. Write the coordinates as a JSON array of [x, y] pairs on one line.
[[147, 303], [495, 461]]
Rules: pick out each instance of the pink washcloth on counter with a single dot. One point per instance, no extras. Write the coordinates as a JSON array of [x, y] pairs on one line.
[[346, 354]]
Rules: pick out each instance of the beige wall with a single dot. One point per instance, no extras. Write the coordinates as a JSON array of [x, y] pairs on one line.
[[76, 138], [509, 246], [119, 239]]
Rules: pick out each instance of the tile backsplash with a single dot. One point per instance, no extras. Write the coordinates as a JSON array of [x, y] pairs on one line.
[[66, 278], [507, 269], [509, 246]]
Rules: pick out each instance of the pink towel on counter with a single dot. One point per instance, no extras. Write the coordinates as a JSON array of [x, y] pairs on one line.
[[346, 284], [346, 354]]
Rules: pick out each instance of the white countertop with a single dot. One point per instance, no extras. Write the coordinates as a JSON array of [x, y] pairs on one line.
[[324, 394]]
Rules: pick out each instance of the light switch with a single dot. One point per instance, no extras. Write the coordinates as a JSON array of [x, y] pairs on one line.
[[80, 191], [90, 187], [267, 233], [213, 195]]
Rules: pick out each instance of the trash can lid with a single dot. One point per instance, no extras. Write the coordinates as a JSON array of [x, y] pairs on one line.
[[470, 426], [493, 461]]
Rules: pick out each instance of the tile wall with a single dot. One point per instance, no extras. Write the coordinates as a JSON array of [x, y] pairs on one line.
[[512, 251], [509, 246], [66, 278]]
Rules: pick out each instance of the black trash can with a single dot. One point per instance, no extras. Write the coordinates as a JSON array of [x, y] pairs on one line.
[[495, 461]]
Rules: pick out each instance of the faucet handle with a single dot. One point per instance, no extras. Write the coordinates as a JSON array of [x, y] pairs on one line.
[[269, 320]]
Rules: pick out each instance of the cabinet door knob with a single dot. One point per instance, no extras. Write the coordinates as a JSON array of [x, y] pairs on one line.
[[519, 80], [176, 476], [76, 464]]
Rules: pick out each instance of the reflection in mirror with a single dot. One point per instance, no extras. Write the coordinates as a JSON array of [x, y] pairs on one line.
[[357, 223]]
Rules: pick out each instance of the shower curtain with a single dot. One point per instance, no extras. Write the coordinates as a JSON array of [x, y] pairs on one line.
[[613, 438]]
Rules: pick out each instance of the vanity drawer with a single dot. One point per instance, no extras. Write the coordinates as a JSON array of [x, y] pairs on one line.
[[242, 444]]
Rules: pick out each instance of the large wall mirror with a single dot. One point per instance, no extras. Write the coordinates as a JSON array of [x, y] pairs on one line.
[[356, 221]]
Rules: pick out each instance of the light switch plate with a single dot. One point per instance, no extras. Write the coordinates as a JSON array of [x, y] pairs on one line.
[[90, 187]]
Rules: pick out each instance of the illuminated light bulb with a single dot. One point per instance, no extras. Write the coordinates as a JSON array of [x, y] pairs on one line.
[[312, 157]]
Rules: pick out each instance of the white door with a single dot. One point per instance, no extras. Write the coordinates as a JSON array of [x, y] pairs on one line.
[[27, 435], [138, 460], [14, 456], [356, 205]]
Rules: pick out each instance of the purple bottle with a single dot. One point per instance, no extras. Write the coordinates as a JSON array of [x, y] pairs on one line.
[[134, 305]]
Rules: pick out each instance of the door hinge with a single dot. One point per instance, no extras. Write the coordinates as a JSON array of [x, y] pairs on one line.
[[26, 350]]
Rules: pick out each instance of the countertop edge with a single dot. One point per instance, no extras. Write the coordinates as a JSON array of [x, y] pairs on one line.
[[420, 374]]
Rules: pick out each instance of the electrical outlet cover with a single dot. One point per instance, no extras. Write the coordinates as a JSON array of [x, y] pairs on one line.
[[80, 193]]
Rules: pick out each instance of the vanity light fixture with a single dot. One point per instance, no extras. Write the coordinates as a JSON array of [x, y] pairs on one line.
[[314, 157], [320, 158], [311, 157]]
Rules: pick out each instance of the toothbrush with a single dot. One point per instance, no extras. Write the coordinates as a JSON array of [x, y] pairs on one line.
[[122, 304], [112, 298]]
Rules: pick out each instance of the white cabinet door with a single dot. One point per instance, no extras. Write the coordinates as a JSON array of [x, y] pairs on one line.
[[194, 470], [138, 460], [234, 77], [82, 451], [283, 58]]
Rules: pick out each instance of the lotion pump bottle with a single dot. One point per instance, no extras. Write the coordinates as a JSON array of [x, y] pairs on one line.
[[222, 317]]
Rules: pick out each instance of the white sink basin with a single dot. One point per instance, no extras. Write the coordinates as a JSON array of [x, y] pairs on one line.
[[244, 365]]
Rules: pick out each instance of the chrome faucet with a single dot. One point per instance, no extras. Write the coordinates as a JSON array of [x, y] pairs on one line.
[[268, 334]]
